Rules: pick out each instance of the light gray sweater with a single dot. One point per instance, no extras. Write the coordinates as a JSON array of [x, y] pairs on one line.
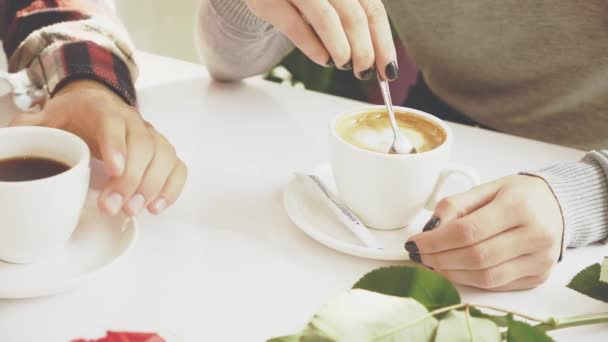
[[537, 69]]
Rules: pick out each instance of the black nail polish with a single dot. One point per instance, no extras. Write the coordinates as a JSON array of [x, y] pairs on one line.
[[411, 247], [432, 224], [330, 63], [415, 257], [347, 66], [367, 74], [392, 72]]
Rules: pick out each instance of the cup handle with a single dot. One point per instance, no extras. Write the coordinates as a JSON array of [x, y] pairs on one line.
[[451, 170]]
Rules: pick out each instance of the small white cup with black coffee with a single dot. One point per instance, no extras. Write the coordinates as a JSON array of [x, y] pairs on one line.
[[387, 191], [44, 180]]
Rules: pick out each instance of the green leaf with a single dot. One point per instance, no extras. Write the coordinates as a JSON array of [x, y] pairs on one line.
[[500, 320], [588, 283], [314, 77], [359, 315], [523, 332], [427, 287], [291, 338], [604, 271], [456, 326], [327, 80]]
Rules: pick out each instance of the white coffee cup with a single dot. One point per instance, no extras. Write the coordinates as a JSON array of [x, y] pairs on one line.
[[387, 191], [38, 217]]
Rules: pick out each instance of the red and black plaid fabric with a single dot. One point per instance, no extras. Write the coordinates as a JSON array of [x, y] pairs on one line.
[[76, 57]]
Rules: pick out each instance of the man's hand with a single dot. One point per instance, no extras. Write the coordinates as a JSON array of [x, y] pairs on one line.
[[144, 168], [500, 236]]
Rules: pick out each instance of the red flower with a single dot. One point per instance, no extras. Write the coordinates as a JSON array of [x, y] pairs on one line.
[[115, 336]]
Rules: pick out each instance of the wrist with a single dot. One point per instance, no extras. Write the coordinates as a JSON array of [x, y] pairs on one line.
[[581, 191], [80, 85]]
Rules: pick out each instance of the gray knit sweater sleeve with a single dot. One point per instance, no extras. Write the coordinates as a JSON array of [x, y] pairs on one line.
[[581, 188], [234, 43]]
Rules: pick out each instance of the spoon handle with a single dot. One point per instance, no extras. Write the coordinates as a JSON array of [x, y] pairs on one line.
[[386, 95]]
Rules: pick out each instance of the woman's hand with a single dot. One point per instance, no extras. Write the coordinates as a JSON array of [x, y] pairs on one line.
[[346, 33], [144, 168], [500, 236]]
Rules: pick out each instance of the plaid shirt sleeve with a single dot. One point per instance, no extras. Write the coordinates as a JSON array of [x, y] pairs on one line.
[[58, 41]]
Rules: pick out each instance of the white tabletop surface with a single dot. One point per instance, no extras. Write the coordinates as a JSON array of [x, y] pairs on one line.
[[226, 263]]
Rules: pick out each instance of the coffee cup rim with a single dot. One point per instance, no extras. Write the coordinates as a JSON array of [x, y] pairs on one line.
[[442, 124], [83, 159]]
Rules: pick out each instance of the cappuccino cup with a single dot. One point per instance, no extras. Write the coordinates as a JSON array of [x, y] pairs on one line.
[[38, 211], [386, 191]]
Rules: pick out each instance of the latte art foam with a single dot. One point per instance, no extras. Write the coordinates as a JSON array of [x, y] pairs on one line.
[[372, 131], [380, 141]]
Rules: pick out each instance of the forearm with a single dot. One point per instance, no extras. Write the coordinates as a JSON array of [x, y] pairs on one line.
[[60, 41], [234, 43], [581, 189]]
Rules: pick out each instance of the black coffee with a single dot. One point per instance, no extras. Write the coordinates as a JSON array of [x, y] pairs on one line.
[[22, 169]]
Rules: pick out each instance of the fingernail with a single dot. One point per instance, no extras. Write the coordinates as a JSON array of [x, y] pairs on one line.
[[432, 224], [392, 72], [415, 257], [136, 204], [119, 163], [113, 203], [159, 205], [411, 247], [366, 74], [347, 66], [330, 63]]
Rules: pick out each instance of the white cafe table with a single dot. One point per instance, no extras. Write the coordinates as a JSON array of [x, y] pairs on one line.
[[226, 263]]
